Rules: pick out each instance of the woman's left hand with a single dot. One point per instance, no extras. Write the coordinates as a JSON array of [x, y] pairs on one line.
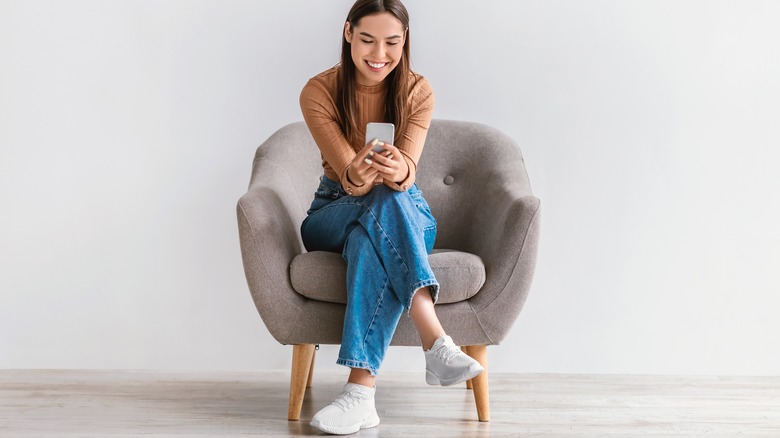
[[389, 163]]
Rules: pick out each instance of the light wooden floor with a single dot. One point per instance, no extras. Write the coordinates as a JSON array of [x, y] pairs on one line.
[[71, 404]]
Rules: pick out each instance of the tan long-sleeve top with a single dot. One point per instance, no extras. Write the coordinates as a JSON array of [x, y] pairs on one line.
[[318, 104]]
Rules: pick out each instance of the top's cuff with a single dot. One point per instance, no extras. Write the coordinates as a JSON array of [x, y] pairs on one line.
[[404, 185], [353, 189]]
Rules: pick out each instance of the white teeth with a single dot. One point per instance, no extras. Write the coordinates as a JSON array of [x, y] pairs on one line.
[[380, 65]]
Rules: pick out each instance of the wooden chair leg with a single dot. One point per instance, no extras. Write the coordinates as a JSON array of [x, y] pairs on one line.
[[301, 362], [465, 349], [311, 368], [480, 383]]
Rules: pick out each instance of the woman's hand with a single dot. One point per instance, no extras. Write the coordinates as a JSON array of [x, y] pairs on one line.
[[389, 163], [367, 164], [361, 170]]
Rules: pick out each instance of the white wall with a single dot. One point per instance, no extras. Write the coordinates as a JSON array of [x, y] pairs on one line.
[[650, 131]]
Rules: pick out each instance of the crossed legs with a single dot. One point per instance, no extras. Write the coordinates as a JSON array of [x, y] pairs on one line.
[[428, 327]]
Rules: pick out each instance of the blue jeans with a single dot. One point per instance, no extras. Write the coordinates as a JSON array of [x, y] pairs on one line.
[[385, 237]]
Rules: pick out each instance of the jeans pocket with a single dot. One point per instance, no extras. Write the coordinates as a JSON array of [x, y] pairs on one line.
[[429, 222], [417, 196], [329, 191], [324, 195]]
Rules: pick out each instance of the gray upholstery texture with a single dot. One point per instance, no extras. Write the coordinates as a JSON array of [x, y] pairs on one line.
[[474, 179]]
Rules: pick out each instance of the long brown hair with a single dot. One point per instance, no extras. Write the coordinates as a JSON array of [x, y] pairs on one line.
[[396, 109]]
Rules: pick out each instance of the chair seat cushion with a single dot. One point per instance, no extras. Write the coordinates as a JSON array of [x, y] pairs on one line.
[[322, 276]]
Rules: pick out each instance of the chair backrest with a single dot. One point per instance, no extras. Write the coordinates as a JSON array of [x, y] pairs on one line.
[[461, 162]]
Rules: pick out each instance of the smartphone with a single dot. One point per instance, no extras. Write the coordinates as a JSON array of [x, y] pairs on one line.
[[384, 132]]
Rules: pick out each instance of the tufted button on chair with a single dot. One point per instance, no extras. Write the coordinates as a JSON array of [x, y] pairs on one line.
[[475, 182]]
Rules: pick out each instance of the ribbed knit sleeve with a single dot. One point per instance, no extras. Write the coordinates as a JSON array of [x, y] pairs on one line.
[[412, 141], [319, 112]]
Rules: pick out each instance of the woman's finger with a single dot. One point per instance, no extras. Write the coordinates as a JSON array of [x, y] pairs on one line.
[[390, 152], [367, 149], [389, 167], [391, 149]]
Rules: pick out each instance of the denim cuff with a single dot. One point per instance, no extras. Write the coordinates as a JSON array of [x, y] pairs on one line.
[[357, 364], [433, 287]]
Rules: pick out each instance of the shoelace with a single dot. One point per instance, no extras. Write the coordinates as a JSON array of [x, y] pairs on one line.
[[446, 352], [346, 400]]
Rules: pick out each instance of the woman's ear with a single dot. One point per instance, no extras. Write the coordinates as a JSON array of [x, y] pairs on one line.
[[347, 32]]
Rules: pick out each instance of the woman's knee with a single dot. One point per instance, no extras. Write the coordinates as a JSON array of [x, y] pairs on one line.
[[382, 195]]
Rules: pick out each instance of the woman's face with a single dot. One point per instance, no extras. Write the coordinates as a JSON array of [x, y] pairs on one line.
[[377, 43]]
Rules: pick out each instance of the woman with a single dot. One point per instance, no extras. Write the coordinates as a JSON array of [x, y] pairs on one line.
[[369, 209]]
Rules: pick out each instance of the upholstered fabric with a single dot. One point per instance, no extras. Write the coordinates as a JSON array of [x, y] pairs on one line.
[[322, 276], [475, 181]]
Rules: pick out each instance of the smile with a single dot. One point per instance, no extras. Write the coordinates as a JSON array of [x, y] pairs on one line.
[[376, 65]]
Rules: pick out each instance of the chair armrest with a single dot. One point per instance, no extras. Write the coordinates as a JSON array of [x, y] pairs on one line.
[[505, 235], [269, 242]]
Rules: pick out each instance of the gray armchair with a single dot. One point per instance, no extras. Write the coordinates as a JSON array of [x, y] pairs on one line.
[[475, 181]]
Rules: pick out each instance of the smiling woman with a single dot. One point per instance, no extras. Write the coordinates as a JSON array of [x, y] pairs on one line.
[[376, 32], [369, 209], [374, 54]]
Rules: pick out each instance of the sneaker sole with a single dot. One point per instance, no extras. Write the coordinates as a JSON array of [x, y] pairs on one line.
[[433, 380], [372, 421]]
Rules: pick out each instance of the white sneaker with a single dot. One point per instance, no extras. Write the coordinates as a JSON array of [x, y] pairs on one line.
[[446, 365], [351, 411]]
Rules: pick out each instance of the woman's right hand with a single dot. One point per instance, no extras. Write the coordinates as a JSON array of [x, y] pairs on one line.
[[360, 171]]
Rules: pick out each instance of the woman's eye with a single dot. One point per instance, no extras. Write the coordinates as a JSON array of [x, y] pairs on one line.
[[392, 44], [367, 42]]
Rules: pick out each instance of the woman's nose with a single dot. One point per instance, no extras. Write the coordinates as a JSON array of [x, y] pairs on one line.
[[378, 53]]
